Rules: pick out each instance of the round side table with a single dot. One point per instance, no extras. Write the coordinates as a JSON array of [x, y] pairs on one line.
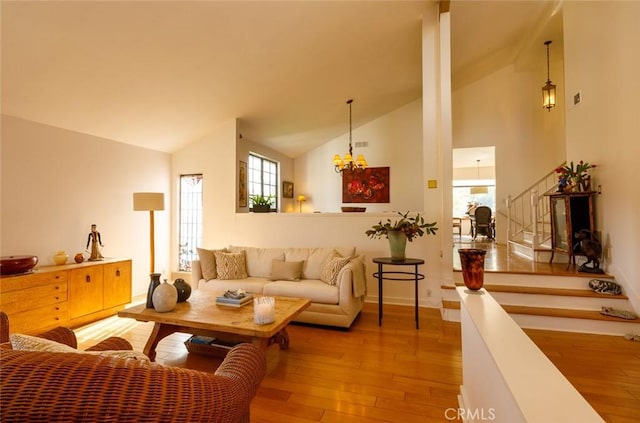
[[397, 275]]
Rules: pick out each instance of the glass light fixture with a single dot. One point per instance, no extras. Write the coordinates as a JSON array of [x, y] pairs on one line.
[[347, 163], [549, 90], [479, 189]]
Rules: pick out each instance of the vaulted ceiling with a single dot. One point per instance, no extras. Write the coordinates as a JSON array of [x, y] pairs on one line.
[[163, 74]]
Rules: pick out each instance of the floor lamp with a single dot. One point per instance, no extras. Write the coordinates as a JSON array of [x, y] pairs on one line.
[[150, 201]]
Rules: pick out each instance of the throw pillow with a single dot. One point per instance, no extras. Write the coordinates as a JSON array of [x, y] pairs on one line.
[[285, 270], [230, 265], [208, 263], [20, 342], [119, 354], [331, 269]]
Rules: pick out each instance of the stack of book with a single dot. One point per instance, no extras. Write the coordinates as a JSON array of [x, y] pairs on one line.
[[234, 298]]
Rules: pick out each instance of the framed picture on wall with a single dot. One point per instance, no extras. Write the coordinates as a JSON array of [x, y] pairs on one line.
[[287, 189], [368, 186], [242, 184]]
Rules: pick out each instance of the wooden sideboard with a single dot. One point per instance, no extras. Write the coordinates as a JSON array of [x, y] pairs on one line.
[[67, 295]]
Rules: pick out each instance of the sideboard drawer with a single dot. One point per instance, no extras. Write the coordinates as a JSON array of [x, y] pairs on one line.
[[39, 319], [16, 283], [30, 298]]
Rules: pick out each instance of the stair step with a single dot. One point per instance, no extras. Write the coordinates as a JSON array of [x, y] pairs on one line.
[[543, 291], [549, 312]]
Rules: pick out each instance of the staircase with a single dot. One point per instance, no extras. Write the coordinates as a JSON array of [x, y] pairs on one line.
[[546, 301], [550, 299], [528, 220]]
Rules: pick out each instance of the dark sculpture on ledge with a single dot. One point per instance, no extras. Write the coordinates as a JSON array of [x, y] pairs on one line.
[[589, 245]]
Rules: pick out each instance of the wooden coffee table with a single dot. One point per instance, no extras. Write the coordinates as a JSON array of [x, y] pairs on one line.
[[200, 315]]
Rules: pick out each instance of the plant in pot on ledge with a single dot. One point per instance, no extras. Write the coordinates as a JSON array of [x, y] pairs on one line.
[[405, 228], [261, 204]]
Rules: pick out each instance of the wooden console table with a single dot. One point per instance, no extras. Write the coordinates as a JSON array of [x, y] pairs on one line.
[[396, 275]]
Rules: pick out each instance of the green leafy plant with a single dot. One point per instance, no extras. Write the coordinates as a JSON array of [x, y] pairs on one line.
[[259, 200], [572, 177], [411, 226]]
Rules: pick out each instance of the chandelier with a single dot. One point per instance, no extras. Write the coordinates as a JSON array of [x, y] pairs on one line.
[[549, 90], [347, 163]]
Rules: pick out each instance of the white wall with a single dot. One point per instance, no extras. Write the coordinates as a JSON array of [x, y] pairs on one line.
[[603, 129], [504, 110], [223, 226], [395, 140], [56, 183]]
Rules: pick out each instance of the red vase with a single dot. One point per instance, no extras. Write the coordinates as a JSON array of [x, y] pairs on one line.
[[472, 263]]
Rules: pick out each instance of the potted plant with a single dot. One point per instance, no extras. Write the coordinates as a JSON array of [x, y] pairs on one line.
[[260, 203], [576, 178], [403, 229]]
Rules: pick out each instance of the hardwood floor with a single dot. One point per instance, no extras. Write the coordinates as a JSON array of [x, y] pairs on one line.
[[498, 259], [395, 373]]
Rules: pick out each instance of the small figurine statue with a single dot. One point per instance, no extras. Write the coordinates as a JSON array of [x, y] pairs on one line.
[[589, 245], [96, 242]]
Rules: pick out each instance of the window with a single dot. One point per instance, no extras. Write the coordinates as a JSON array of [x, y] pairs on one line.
[[462, 196], [190, 231], [262, 178]]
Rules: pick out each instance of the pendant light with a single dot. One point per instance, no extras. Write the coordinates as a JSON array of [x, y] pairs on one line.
[[479, 189], [549, 90], [347, 163]]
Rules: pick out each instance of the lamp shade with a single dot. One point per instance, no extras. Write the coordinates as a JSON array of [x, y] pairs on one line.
[[301, 197], [147, 201]]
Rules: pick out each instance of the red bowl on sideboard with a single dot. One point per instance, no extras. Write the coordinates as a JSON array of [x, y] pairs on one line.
[[15, 265]]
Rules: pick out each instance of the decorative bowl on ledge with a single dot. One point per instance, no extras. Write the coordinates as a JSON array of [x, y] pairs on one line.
[[15, 265], [353, 209]]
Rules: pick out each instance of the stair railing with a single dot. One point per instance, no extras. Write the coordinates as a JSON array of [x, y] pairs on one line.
[[528, 212]]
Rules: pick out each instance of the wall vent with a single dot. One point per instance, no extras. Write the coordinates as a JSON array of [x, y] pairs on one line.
[[361, 144]]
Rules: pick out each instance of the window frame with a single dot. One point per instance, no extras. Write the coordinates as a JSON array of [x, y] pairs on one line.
[[188, 253], [263, 187]]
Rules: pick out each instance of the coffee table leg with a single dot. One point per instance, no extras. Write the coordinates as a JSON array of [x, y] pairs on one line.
[[159, 332], [281, 338]]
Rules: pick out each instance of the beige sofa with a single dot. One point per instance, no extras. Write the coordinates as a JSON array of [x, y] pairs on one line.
[[333, 279]]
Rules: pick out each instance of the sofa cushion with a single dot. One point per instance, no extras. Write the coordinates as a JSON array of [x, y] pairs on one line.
[[230, 265], [313, 289], [259, 259], [285, 270], [315, 262], [22, 342], [331, 269], [208, 263]]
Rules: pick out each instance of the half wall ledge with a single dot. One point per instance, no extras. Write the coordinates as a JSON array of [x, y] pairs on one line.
[[506, 377]]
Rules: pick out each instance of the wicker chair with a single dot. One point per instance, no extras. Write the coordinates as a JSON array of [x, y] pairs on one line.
[[69, 387], [63, 335]]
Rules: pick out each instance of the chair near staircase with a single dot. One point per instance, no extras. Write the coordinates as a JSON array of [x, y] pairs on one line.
[[483, 223]]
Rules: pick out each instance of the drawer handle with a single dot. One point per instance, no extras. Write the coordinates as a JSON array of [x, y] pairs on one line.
[[57, 287], [118, 272], [57, 298], [57, 308], [88, 278]]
